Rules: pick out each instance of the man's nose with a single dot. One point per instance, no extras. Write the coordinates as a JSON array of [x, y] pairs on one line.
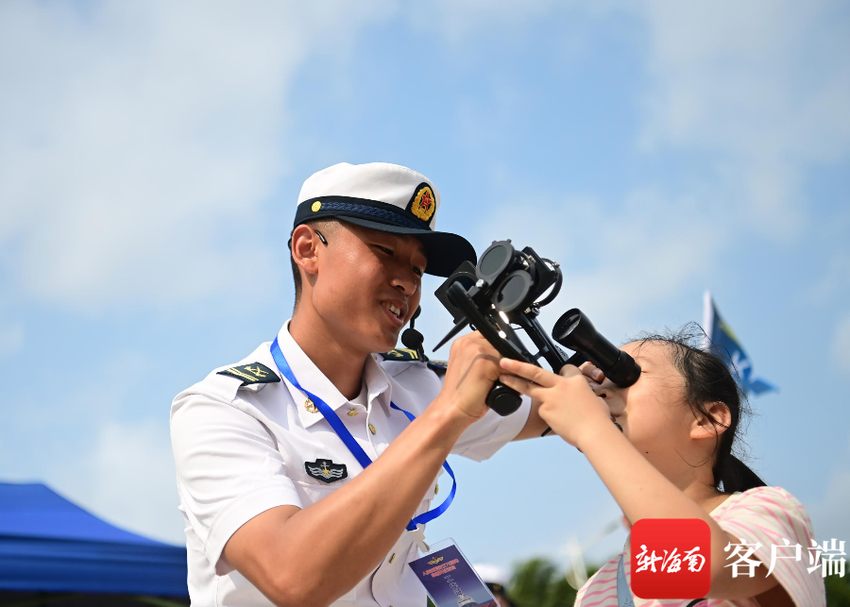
[[406, 284]]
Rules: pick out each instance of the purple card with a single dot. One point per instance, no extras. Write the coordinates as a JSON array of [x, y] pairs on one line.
[[450, 580]]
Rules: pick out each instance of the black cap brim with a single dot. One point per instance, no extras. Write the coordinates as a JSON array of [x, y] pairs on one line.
[[445, 251]]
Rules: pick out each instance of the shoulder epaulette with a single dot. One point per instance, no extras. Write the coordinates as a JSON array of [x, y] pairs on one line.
[[403, 354], [438, 366], [254, 373]]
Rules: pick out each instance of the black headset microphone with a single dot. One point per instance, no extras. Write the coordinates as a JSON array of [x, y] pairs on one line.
[[413, 339]]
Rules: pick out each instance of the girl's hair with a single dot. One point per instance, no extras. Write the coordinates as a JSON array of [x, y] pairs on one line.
[[707, 380]]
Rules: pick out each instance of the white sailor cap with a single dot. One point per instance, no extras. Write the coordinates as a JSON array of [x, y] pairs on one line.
[[385, 197]]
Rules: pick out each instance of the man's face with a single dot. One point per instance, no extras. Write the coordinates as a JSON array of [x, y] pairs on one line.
[[368, 286]]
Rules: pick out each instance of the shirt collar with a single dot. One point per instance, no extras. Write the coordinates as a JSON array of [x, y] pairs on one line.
[[312, 379]]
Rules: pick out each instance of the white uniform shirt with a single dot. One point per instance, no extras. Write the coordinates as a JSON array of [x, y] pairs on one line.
[[241, 450]]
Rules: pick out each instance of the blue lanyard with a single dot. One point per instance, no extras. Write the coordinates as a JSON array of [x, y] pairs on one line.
[[624, 593], [346, 437]]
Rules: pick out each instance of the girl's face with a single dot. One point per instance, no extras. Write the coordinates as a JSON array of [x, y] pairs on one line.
[[653, 412]]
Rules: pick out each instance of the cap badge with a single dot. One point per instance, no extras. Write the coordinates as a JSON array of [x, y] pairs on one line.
[[424, 203], [317, 206]]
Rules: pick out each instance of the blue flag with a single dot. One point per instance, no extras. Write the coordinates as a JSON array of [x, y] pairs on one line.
[[724, 342]]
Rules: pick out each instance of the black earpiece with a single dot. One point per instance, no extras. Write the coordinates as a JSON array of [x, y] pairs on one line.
[[413, 339], [321, 237]]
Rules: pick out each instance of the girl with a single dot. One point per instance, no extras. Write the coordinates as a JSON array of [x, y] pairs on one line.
[[669, 455]]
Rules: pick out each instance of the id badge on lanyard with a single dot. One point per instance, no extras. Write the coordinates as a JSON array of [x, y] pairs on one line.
[[449, 579]]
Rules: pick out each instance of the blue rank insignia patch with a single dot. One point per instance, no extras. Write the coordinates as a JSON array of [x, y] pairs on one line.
[[254, 373], [326, 471], [438, 366], [401, 354]]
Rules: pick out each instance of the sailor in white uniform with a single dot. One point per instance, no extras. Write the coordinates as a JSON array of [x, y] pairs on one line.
[[302, 479]]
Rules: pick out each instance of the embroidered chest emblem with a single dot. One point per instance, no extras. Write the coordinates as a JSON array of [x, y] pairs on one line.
[[326, 471]]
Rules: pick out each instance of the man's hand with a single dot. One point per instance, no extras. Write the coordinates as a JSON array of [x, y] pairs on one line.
[[473, 369]]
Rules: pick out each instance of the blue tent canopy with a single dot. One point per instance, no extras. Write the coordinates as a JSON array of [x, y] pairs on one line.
[[48, 544]]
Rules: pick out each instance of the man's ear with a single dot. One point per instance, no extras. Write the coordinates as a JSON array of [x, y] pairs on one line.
[[709, 427], [305, 243]]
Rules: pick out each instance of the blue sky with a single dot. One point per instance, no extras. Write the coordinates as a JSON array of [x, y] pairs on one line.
[[151, 154]]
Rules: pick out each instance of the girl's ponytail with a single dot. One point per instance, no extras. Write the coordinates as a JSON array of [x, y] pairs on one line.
[[735, 475]]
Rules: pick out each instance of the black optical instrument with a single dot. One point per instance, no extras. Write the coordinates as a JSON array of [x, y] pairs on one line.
[[504, 293]]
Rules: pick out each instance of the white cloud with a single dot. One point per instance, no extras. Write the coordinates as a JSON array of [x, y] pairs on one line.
[[138, 140], [125, 474], [618, 262], [101, 439], [764, 84], [841, 345], [829, 515], [757, 92]]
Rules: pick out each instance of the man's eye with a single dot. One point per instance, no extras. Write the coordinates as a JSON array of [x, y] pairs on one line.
[[385, 250], [417, 271]]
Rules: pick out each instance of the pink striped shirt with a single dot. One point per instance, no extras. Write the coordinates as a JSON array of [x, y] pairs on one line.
[[765, 515]]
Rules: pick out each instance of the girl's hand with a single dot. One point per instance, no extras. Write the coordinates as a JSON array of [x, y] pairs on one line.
[[593, 374], [567, 403]]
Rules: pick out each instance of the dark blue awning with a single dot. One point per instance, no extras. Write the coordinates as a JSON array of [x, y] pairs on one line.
[[48, 544]]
